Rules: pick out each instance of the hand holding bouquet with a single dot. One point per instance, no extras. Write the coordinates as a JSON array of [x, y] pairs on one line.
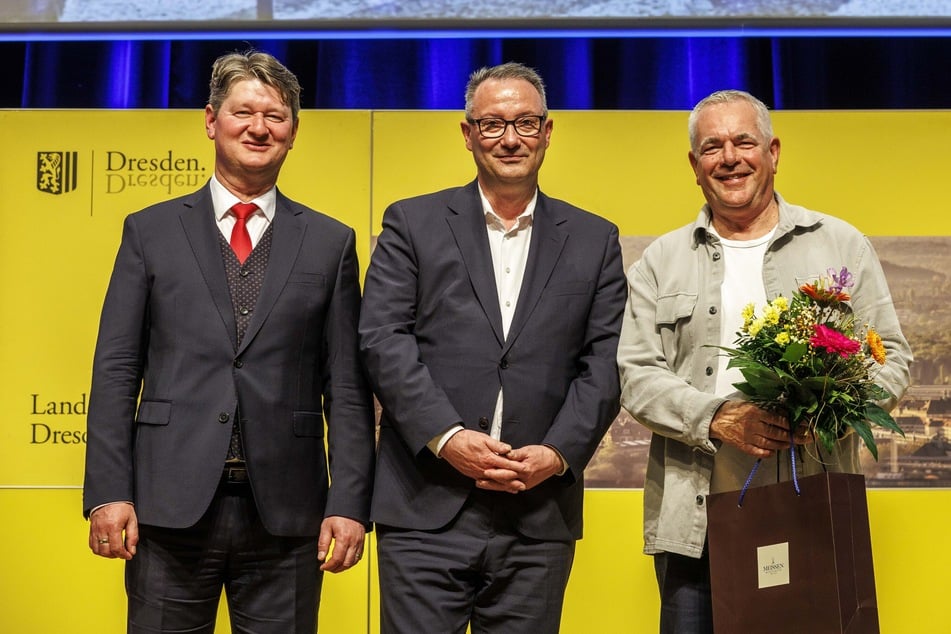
[[805, 356]]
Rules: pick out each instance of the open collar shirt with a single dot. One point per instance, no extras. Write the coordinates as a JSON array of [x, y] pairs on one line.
[[669, 361], [509, 249]]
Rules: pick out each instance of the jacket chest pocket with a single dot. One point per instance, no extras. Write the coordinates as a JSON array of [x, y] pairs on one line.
[[672, 320]]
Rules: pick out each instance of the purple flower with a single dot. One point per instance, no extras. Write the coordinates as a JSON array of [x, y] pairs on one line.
[[840, 281]]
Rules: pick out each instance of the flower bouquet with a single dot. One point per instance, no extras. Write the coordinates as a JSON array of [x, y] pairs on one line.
[[806, 356]]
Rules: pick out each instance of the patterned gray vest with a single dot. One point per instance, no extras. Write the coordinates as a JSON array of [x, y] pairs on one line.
[[245, 282]]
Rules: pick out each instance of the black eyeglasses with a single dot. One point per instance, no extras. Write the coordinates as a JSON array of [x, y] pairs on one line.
[[494, 127]]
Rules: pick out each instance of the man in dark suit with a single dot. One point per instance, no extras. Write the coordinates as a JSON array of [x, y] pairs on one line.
[[490, 322], [227, 334]]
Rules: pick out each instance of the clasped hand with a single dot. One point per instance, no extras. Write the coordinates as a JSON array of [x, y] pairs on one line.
[[496, 466]]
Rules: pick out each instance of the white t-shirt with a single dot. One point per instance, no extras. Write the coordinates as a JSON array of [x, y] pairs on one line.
[[742, 284]]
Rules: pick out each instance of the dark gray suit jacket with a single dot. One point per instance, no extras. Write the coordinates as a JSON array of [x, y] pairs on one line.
[[167, 375], [431, 336]]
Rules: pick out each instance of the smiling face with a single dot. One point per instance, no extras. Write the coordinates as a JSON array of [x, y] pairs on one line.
[[253, 131], [509, 160], [734, 161]]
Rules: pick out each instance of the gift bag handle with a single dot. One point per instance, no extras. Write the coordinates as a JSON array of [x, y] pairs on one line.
[[749, 478]]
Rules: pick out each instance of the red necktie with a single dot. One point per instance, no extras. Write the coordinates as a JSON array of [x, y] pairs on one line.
[[240, 238]]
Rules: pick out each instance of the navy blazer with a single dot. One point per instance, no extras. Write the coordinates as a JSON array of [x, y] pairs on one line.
[[168, 375], [431, 337]]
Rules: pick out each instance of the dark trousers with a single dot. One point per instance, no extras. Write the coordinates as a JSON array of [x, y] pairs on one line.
[[174, 581], [476, 571], [686, 606]]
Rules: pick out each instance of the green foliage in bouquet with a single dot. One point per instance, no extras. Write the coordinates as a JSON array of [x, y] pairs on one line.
[[804, 355]]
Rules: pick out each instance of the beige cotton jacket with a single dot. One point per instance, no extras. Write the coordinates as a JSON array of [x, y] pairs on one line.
[[668, 359]]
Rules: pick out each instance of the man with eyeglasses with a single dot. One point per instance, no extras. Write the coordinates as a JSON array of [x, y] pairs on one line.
[[490, 321]]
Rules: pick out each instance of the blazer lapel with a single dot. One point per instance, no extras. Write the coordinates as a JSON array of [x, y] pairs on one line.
[[548, 241], [467, 225], [201, 231], [287, 234]]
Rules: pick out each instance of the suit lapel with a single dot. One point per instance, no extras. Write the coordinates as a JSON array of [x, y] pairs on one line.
[[201, 231], [548, 241], [467, 225], [287, 234]]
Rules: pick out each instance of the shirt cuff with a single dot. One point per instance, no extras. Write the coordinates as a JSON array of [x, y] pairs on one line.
[[564, 463], [436, 444], [109, 504]]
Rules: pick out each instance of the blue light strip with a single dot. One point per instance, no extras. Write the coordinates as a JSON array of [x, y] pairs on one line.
[[41, 35], [778, 86], [119, 88]]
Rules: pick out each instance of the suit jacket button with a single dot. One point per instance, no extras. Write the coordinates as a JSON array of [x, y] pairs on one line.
[[483, 422], [223, 417], [238, 363], [504, 363]]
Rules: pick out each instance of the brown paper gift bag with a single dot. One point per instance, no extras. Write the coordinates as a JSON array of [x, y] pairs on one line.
[[792, 563]]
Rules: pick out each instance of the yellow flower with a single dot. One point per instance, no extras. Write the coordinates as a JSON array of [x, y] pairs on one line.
[[748, 311], [771, 314], [781, 304], [755, 326], [782, 338], [875, 346]]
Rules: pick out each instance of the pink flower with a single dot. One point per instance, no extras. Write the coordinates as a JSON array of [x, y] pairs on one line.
[[834, 341]]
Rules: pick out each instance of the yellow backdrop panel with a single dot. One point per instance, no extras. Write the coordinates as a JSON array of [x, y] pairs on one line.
[[879, 170], [59, 238]]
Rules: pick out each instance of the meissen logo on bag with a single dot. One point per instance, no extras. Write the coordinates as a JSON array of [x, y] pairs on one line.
[[56, 172], [773, 565]]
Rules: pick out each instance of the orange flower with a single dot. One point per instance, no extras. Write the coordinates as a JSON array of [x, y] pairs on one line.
[[824, 295], [811, 291], [875, 346]]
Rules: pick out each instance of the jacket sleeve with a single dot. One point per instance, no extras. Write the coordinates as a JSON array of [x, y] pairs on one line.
[[591, 403], [117, 376], [413, 402], [658, 395], [348, 402], [872, 303]]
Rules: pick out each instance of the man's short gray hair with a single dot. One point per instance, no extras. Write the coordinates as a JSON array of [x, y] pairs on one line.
[[508, 70], [763, 121]]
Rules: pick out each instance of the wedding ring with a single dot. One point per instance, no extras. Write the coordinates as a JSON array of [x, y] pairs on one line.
[[103, 540]]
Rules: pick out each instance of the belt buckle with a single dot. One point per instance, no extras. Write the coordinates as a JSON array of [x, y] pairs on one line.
[[234, 474]]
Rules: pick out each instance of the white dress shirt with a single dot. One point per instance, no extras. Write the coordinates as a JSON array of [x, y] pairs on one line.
[[509, 249], [257, 223]]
